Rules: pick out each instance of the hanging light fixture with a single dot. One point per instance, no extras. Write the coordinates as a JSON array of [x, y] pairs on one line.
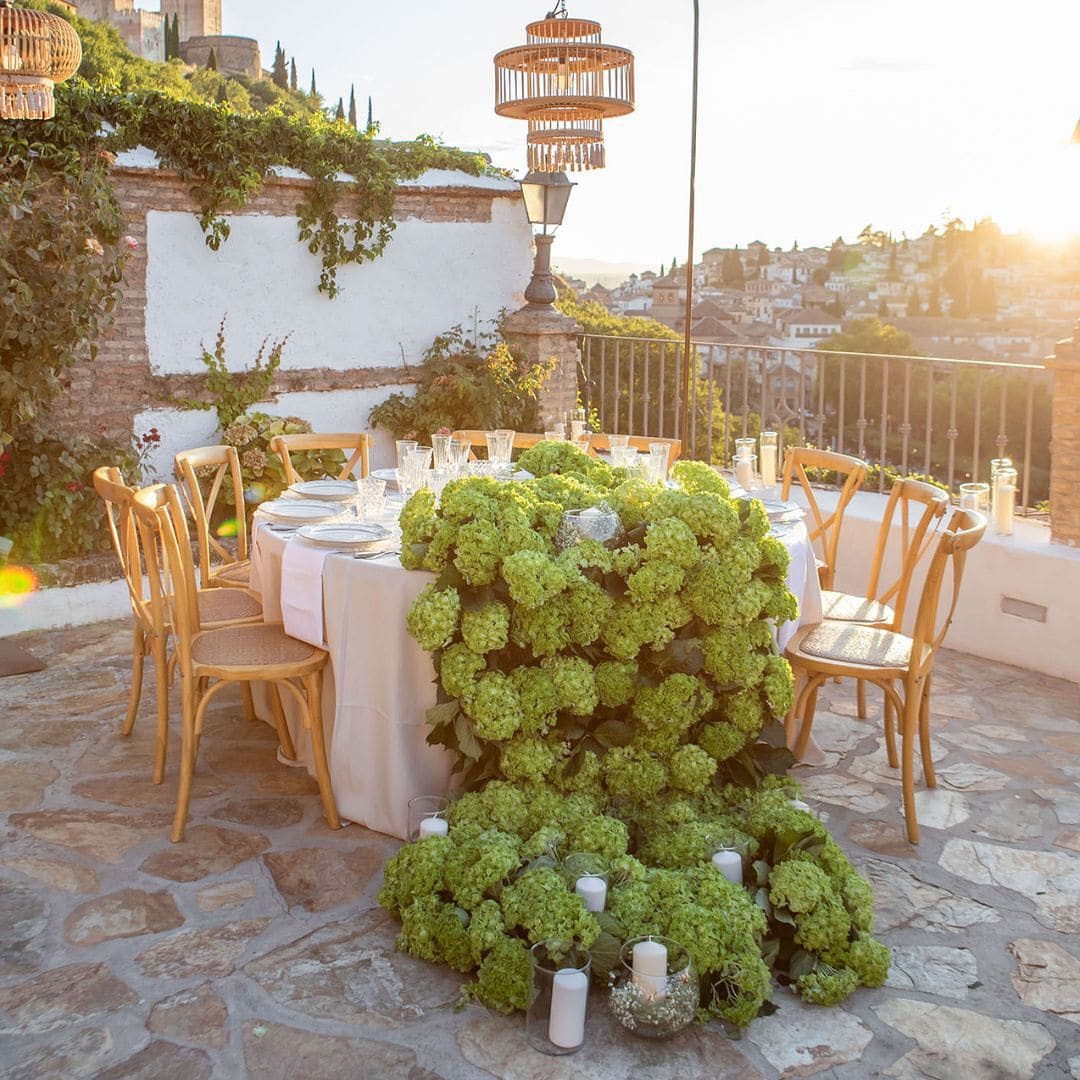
[[565, 82], [36, 50]]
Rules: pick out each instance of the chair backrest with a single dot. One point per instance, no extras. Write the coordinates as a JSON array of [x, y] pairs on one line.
[[965, 530], [204, 473], [170, 571], [523, 440], [915, 533], [359, 444], [824, 530], [602, 443], [116, 495]]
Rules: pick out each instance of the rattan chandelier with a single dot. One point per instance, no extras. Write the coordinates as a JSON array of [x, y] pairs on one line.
[[36, 51], [565, 82]]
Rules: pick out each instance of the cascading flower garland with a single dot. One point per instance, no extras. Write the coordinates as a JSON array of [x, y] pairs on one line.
[[621, 702]]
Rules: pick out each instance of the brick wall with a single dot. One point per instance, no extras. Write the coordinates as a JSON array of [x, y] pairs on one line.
[[119, 384], [1065, 442]]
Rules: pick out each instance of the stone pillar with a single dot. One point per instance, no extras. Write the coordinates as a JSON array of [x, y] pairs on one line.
[[540, 333], [1065, 441]]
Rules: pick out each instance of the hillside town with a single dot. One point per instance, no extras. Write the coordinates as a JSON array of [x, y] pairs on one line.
[[970, 294]]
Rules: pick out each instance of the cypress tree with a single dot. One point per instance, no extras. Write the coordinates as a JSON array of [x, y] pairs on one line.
[[222, 94], [279, 74], [352, 106], [313, 90], [292, 74], [339, 113], [211, 60], [370, 118]]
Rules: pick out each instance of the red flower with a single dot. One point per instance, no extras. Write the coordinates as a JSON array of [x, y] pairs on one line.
[[103, 430], [74, 485]]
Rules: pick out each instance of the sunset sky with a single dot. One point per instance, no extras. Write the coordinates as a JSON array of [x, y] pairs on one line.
[[815, 118]]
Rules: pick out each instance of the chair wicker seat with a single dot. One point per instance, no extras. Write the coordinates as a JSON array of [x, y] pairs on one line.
[[256, 645], [849, 643], [234, 575], [227, 605], [845, 607]]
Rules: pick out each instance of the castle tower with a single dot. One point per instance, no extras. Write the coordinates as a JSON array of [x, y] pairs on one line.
[[195, 18]]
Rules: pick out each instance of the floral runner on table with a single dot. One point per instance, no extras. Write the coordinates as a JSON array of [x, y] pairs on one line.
[[626, 702]]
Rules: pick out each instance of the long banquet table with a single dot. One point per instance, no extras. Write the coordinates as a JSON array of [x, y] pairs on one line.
[[379, 683]]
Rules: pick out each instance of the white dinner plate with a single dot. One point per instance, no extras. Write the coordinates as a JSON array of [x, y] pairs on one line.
[[389, 475], [335, 490], [299, 511], [357, 536], [780, 511]]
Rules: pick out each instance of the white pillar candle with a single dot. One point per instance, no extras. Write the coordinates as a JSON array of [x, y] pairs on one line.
[[593, 890], [649, 961], [1004, 507], [729, 863], [433, 826], [768, 466], [569, 999], [798, 804], [744, 472]]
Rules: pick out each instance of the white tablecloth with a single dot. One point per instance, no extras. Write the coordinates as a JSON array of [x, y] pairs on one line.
[[379, 683]]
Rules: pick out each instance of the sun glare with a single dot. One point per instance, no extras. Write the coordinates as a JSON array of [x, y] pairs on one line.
[[17, 584]]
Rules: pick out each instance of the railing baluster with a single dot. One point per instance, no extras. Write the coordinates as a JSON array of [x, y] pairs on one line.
[[645, 383], [905, 426], [841, 416], [603, 371], [802, 404], [884, 422], [1024, 495], [745, 392], [663, 380], [679, 403], [615, 391], [820, 366], [862, 421], [630, 393], [974, 474], [928, 467], [1002, 439], [952, 433], [712, 387]]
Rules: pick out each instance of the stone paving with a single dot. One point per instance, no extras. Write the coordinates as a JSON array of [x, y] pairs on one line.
[[257, 949]]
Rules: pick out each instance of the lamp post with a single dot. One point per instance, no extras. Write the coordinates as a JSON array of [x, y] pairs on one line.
[[545, 196]]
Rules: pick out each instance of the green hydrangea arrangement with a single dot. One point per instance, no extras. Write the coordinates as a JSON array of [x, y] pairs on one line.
[[621, 702]]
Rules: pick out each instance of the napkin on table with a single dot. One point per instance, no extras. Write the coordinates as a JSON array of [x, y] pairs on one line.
[[302, 591]]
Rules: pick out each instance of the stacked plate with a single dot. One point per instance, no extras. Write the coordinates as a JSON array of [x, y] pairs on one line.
[[388, 475], [300, 511], [783, 511], [347, 536], [327, 490]]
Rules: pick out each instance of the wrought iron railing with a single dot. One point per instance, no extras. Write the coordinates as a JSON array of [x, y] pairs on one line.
[[923, 415]]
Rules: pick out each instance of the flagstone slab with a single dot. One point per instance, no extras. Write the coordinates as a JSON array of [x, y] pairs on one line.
[[24, 917], [958, 1044], [127, 913], [933, 969], [163, 1061], [136, 790], [902, 900], [937, 808], [263, 813], [68, 876], [1034, 769], [875, 767], [207, 849], [210, 952], [498, 1045], [1050, 880], [36, 735], [1012, 819], [198, 1015], [321, 878], [1069, 838], [884, 837], [841, 734], [350, 971], [1047, 977], [226, 894], [844, 791], [64, 996], [97, 833], [968, 776], [1066, 803], [1068, 742], [1002, 732], [79, 1055], [278, 1050], [23, 782], [800, 1039]]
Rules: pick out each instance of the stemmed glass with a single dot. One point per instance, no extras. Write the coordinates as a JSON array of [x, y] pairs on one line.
[[440, 447]]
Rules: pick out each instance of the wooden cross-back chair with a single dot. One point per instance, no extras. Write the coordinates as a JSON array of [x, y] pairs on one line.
[[902, 666], [209, 660], [824, 529], [360, 445], [150, 611], [601, 443], [523, 440], [205, 472], [913, 513]]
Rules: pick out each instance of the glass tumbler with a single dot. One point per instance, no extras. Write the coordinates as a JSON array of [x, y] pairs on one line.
[[558, 998], [975, 497]]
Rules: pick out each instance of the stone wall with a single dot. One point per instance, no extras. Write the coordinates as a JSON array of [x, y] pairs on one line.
[[233, 55], [460, 250], [1065, 441]]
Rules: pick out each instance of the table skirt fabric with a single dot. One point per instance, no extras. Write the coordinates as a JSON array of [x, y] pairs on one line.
[[379, 683]]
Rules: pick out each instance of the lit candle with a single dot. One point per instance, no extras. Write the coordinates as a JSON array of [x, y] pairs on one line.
[[768, 454], [729, 863], [593, 890], [744, 472], [1004, 501], [649, 961], [569, 999], [433, 826]]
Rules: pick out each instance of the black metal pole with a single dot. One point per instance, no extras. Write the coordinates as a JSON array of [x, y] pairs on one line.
[[687, 371]]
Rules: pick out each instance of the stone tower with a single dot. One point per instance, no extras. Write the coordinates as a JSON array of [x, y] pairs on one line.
[[195, 18]]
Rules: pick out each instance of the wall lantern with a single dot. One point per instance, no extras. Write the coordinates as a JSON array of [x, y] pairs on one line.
[[545, 196], [36, 50], [565, 82]]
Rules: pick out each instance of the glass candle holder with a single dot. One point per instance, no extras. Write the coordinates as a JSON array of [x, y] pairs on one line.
[[769, 449], [427, 816], [995, 465], [558, 998], [654, 988], [727, 854], [745, 471], [745, 447], [587, 874], [1004, 501], [975, 497], [577, 429]]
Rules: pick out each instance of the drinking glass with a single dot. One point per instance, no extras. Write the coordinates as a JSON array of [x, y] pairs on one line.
[[494, 443], [658, 452], [555, 435], [437, 479], [440, 448], [403, 447], [975, 497], [745, 471], [618, 442], [558, 997], [371, 498], [577, 429], [506, 447]]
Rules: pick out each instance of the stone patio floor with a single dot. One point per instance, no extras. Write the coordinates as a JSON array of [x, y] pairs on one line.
[[257, 949]]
